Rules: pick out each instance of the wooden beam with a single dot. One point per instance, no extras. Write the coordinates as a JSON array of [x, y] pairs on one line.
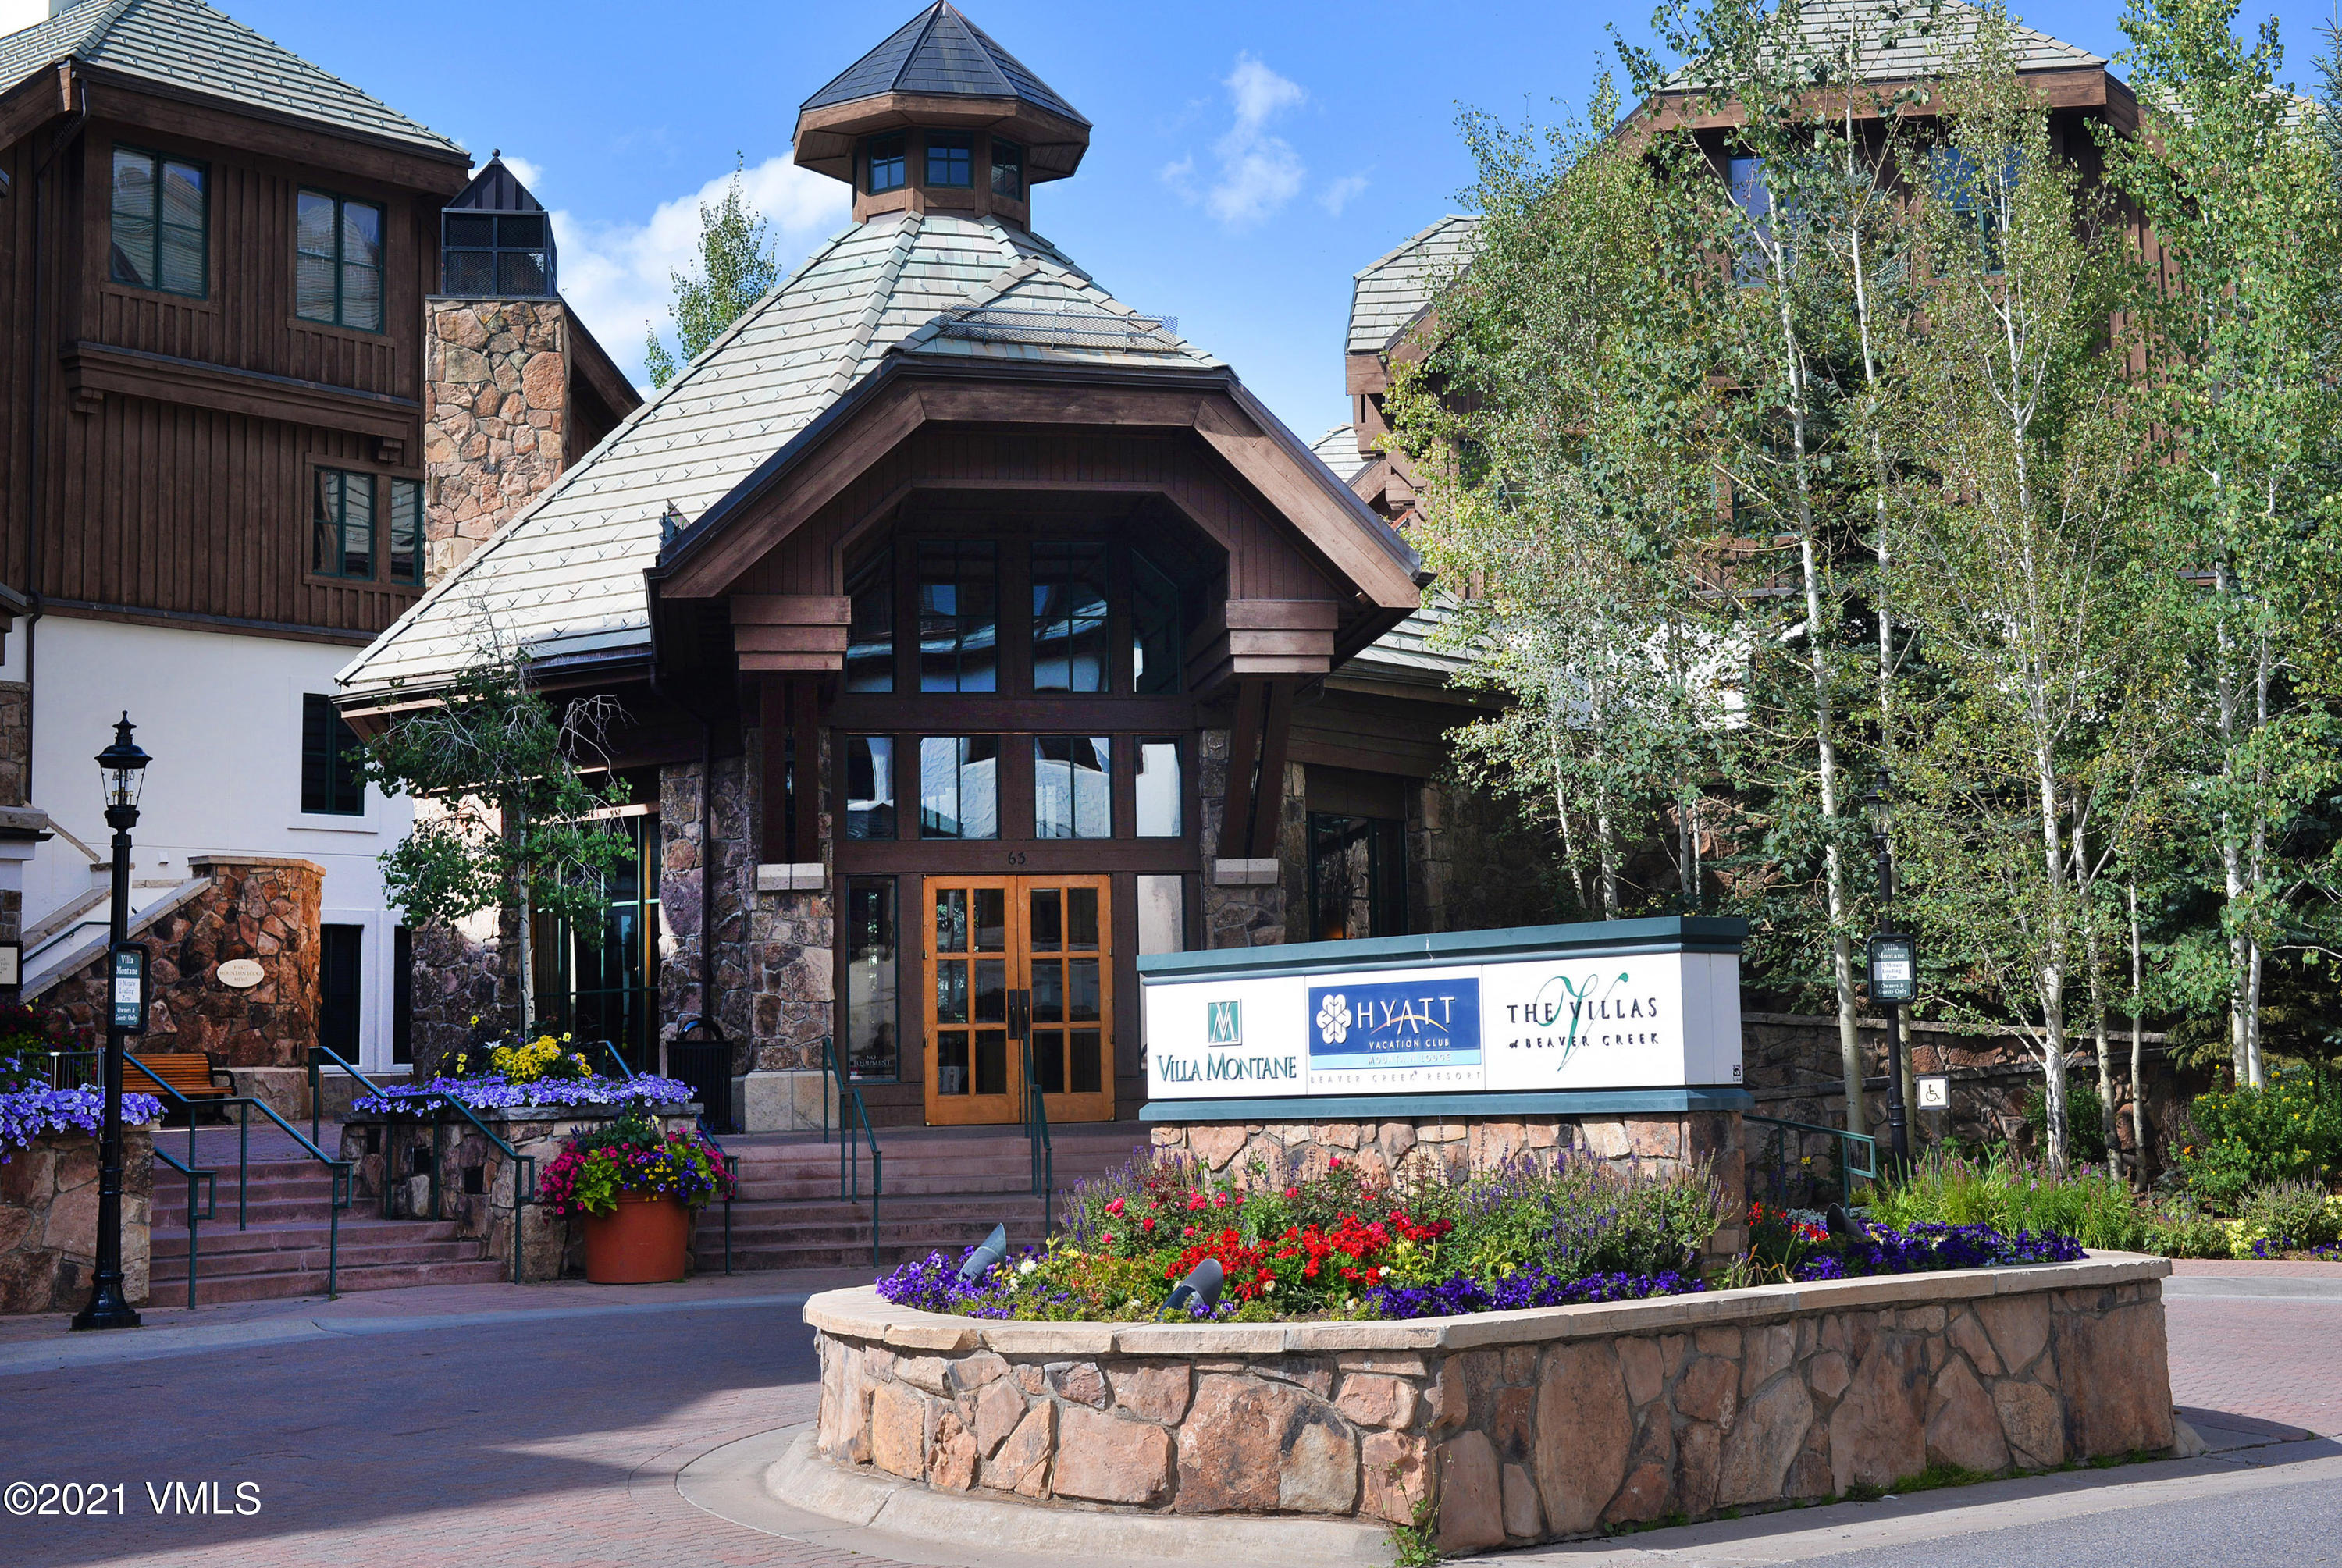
[[791, 609], [1243, 751], [792, 640], [1268, 799], [773, 738], [805, 818], [166, 378]]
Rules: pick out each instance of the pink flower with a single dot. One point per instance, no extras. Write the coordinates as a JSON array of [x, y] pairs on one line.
[[1194, 1201], [1292, 1195], [1114, 1208], [1219, 1200], [1335, 1164], [1108, 1238]]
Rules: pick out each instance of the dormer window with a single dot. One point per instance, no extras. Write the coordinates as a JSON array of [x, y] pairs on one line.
[[496, 254], [886, 172], [951, 160], [1008, 170]]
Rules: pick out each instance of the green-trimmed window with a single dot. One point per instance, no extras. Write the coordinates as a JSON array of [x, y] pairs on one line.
[[341, 533], [337, 271], [406, 532], [1007, 169], [885, 157], [330, 781], [951, 159], [158, 223]]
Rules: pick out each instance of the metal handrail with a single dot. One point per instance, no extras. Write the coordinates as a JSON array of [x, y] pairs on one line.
[[211, 1210], [523, 1165], [1036, 1131], [1848, 1143], [848, 1095], [625, 1072]]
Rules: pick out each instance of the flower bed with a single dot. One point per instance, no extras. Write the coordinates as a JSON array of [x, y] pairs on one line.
[[494, 1091], [1535, 1233], [26, 1114]]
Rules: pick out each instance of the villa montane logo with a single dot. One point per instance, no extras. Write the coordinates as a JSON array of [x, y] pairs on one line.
[[1223, 1023]]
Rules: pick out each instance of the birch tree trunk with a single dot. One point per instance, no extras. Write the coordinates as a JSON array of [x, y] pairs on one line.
[[2138, 1049]]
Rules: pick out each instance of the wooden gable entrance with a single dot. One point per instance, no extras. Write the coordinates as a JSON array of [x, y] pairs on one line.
[[999, 639]]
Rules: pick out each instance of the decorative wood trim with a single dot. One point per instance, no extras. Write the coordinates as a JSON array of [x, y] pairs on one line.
[[805, 795], [792, 640], [790, 609], [1268, 795], [157, 105], [771, 733], [98, 368], [1244, 751]]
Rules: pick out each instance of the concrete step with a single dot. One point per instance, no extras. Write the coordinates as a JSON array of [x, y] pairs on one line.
[[213, 1290], [312, 1259], [221, 1238]]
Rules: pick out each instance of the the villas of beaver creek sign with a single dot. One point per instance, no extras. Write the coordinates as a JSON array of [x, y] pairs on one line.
[[1618, 1005]]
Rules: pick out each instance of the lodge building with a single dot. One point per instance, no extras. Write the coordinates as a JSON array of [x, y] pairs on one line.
[[976, 635]]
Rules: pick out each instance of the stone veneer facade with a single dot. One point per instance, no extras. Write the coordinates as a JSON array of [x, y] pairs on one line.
[[49, 1219], [1514, 1427], [496, 389], [1398, 1147], [255, 906]]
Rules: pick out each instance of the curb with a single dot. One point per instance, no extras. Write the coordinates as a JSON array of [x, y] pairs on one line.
[[777, 1482]]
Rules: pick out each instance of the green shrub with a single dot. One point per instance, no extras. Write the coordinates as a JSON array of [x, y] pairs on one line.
[[2291, 1215], [2179, 1228], [2086, 1128], [2289, 1130], [2011, 1194]]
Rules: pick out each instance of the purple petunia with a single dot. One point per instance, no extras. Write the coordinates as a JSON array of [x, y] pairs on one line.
[[1927, 1247], [26, 1114], [491, 1092], [1460, 1294]]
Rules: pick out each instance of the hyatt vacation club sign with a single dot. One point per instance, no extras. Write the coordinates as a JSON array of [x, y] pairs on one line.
[[1621, 1004]]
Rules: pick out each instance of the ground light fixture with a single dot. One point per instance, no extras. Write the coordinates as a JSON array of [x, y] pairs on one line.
[[994, 1249], [122, 770], [1202, 1285]]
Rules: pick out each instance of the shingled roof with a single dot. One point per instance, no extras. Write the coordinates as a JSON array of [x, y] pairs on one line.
[[566, 575], [1910, 40], [1387, 297], [194, 49], [941, 53]]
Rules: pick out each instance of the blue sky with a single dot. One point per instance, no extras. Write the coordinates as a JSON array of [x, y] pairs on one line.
[[1246, 158]]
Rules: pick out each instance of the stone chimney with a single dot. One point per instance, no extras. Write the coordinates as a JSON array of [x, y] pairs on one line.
[[497, 406]]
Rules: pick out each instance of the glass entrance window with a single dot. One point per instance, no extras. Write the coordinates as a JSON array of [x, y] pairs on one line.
[[1358, 876], [970, 971], [1072, 786], [959, 787], [959, 630], [1160, 796], [601, 982], [870, 786], [871, 1048], [1069, 617], [1069, 1057]]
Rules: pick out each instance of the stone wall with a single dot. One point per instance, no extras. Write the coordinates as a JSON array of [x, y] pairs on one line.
[[15, 742], [462, 973], [256, 907], [385, 1148], [1516, 1427], [495, 394], [49, 1219], [1790, 1065], [685, 886], [1398, 1148]]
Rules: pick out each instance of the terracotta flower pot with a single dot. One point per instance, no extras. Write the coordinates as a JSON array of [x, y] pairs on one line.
[[640, 1242]]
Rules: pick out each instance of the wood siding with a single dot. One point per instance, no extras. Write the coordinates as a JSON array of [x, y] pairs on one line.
[[179, 436]]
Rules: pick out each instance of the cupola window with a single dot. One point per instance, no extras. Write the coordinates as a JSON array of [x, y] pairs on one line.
[[951, 160], [1008, 170], [885, 164], [496, 254]]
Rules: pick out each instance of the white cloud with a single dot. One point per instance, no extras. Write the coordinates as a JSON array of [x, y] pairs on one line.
[[1338, 194], [527, 173], [1259, 172], [616, 275]]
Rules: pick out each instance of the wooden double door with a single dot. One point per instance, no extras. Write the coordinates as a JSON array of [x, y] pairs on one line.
[[1013, 963]]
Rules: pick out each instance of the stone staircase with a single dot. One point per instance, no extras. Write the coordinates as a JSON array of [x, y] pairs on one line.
[[945, 1189], [282, 1251]]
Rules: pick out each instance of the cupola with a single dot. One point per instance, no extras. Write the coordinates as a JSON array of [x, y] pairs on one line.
[[940, 119], [495, 240]]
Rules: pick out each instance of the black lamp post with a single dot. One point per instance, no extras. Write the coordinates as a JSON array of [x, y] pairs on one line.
[[123, 767], [1894, 969]]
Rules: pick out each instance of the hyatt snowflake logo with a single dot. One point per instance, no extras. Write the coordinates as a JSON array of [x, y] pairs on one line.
[[1334, 1019], [1224, 1023]]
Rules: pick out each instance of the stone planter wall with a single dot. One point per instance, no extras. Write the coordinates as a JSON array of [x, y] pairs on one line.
[[1656, 1140], [551, 1248], [49, 1219], [1518, 1427]]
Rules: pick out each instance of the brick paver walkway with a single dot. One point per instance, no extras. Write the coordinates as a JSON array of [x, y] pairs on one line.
[[536, 1426]]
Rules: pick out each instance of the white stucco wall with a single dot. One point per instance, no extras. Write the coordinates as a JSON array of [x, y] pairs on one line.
[[221, 716]]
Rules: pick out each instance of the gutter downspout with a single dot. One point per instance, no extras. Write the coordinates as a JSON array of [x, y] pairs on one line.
[[76, 93]]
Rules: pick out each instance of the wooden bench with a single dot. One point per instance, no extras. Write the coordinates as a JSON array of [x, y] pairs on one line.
[[190, 1072]]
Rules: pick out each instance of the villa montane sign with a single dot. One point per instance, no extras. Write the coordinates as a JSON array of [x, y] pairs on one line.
[[1617, 1005]]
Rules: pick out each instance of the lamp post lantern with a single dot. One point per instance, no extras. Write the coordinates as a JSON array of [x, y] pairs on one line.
[[1894, 969], [123, 767]]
